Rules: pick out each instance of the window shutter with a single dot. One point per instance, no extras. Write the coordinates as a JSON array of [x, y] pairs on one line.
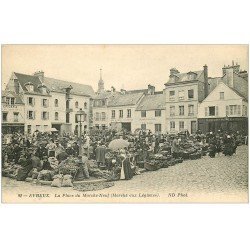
[[238, 109], [216, 110], [48, 115], [47, 102], [33, 101], [41, 102], [27, 114], [205, 111], [27, 100], [227, 110], [34, 112]]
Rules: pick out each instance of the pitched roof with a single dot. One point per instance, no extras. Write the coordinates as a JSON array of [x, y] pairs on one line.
[[184, 77], [56, 85], [152, 102], [104, 95], [23, 79], [213, 82], [238, 93], [124, 99]]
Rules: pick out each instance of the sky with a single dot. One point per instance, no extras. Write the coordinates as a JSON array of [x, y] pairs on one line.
[[123, 66]]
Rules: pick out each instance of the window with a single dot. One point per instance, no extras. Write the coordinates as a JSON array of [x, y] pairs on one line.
[[31, 101], [234, 110], [181, 110], [121, 113], [103, 116], [45, 115], [67, 117], [129, 113], [16, 114], [45, 103], [29, 129], [113, 114], [97, 116], [181, 95], [213, 110], [157, 128], [76, 104], [10, 100], [103, 102], [31, 115], [143, 126], [56, 102], [171, 95], [157, 113], [5, 117], [221, 95], [181, 125], [190, 93], [172, 125], [190, 110], [143, 113], [56, 116], [38, 127], [85, 105], [172, 110]]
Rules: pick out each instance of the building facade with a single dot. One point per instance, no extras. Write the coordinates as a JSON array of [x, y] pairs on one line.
[[183, 92], [224, 109], [49, 103]]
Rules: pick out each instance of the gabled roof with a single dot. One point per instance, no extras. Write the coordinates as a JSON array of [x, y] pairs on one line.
[[238, 93], [152, 102], [127, 99], [184, 77], [213, 82], [56, 85]]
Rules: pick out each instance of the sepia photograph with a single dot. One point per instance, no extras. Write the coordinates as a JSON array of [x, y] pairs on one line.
[[124, 123]]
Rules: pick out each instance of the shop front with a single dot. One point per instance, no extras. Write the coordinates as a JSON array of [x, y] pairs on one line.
[[224, 124], [10, 128]]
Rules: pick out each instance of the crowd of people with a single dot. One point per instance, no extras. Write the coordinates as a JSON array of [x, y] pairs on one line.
[[51, 152]]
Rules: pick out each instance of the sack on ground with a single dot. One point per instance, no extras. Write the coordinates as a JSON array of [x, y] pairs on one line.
[[67, 181]]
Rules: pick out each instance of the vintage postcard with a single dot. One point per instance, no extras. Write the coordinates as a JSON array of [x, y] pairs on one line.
[[124, 124]]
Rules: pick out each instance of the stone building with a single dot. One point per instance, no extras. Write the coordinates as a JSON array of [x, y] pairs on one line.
[[183, 92], [150, 113], [47, 102]]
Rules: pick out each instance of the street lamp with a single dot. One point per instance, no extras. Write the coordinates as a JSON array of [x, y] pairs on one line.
[[80, 116]]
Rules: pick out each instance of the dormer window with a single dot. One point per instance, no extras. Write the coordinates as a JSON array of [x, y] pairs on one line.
[[191, 75], [29, 86]]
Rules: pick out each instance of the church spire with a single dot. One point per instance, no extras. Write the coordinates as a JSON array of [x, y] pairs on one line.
[[100, 83]]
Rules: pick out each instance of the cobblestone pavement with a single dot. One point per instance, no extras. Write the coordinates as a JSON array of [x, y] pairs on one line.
[[219, 179]]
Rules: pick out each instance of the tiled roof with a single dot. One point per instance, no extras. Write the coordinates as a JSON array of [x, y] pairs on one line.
[[104, 95], [23, 79], [152, 102], [238, 93], [124, 99], [184, 77], [213, 82], [56, 85]]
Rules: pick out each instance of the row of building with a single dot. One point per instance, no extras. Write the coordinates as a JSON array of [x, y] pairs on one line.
[[189, 101]]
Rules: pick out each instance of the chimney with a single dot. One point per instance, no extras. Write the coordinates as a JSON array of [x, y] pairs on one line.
[[173, 71], [123, 91], [230, 77], [205, 81], [40, 74], [16, 86], [151, 89]]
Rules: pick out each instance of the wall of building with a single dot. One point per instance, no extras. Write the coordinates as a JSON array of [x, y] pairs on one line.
[[187, 118], [230, 98], [37, 123], [150, 120]]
